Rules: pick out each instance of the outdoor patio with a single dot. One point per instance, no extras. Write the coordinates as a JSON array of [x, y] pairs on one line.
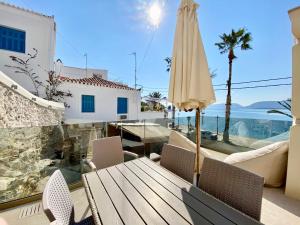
[[193, 178]]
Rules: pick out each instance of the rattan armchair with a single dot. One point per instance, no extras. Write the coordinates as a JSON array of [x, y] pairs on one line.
[[178, 160], [108, 152], [237, 187], [57, 202]]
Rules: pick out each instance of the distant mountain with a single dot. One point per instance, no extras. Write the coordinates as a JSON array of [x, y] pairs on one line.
[[222, 106], [265, 105], [256, 105]]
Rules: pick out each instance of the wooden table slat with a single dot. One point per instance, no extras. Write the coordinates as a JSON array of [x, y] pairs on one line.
[[102, 201], [121, 203], [142, 192], [184, 210], [184, 196], [149, 215], [215, 204], [91, 201], [169, 214]]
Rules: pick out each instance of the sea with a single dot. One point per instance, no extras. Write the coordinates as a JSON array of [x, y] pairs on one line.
[[244, 113]]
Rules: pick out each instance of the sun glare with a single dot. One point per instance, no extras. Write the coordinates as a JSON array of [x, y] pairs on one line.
[[155, 14]]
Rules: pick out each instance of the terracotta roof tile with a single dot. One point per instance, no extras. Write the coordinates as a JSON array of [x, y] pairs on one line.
[[95, 81]]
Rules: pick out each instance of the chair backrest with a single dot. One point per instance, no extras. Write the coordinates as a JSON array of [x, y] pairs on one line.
[[107, 152], [57, 201], [179, 161], [238, 188]]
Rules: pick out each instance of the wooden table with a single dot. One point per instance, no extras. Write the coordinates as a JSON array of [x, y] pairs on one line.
[[142, 192]]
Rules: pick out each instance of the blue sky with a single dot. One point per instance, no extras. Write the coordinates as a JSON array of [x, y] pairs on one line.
[[109, 30]]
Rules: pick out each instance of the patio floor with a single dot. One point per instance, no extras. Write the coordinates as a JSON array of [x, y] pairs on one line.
[[277, 209]]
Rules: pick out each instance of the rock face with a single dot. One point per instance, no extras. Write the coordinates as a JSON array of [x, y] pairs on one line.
[[18, 111]]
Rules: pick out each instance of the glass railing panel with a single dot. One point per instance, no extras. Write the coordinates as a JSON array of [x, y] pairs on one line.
[[133, 136], [28, 156], [157, 132], [245, 134]]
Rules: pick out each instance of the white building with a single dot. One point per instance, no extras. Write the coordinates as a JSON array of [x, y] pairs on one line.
[[22, 30], [74, 72], [95, 98]]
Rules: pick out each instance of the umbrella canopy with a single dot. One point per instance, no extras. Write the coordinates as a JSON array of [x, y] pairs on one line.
[[190, 82]]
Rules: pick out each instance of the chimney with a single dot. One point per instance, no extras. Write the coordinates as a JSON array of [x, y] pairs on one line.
[[97, 75]]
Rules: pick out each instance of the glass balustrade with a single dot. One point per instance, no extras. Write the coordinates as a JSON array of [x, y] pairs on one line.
[[28, 156]]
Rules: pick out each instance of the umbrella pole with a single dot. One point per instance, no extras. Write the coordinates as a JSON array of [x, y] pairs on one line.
[[198, 136]]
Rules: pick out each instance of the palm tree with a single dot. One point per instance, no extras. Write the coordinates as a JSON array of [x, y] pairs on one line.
[[155, 94], [229, 42], [285, 104], [155, 98], [169, 63]]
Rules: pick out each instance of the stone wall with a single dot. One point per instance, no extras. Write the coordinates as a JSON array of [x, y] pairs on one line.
[[30, 135], [26, 156], [19, 111]]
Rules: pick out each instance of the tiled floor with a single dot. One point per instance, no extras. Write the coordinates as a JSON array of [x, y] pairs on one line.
[[277, 209]]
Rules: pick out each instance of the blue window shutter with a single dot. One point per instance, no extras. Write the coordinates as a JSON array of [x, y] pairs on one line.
[[122, 107], [12, 39], [9, 44], [87, 103]]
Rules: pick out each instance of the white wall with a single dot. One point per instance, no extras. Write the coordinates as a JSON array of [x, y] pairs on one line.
[[40, 34], [105, 102], [74, 72]]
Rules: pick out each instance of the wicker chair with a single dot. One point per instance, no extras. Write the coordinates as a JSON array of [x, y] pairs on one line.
[[178, 160], [237, 187], [57, 202], [108, 152]]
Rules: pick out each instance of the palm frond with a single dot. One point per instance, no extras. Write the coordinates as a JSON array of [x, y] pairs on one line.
[[235, 39], [286, 104], [168, 60], [245, 46], [279, 112]]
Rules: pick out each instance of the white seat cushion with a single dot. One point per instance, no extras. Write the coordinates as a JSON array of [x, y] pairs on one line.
[[269, 162]]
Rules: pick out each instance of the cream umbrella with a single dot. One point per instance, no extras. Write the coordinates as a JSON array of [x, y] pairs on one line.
[[190, 82]]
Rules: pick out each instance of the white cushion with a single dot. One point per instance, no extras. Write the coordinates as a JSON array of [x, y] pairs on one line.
[[269, 162]]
